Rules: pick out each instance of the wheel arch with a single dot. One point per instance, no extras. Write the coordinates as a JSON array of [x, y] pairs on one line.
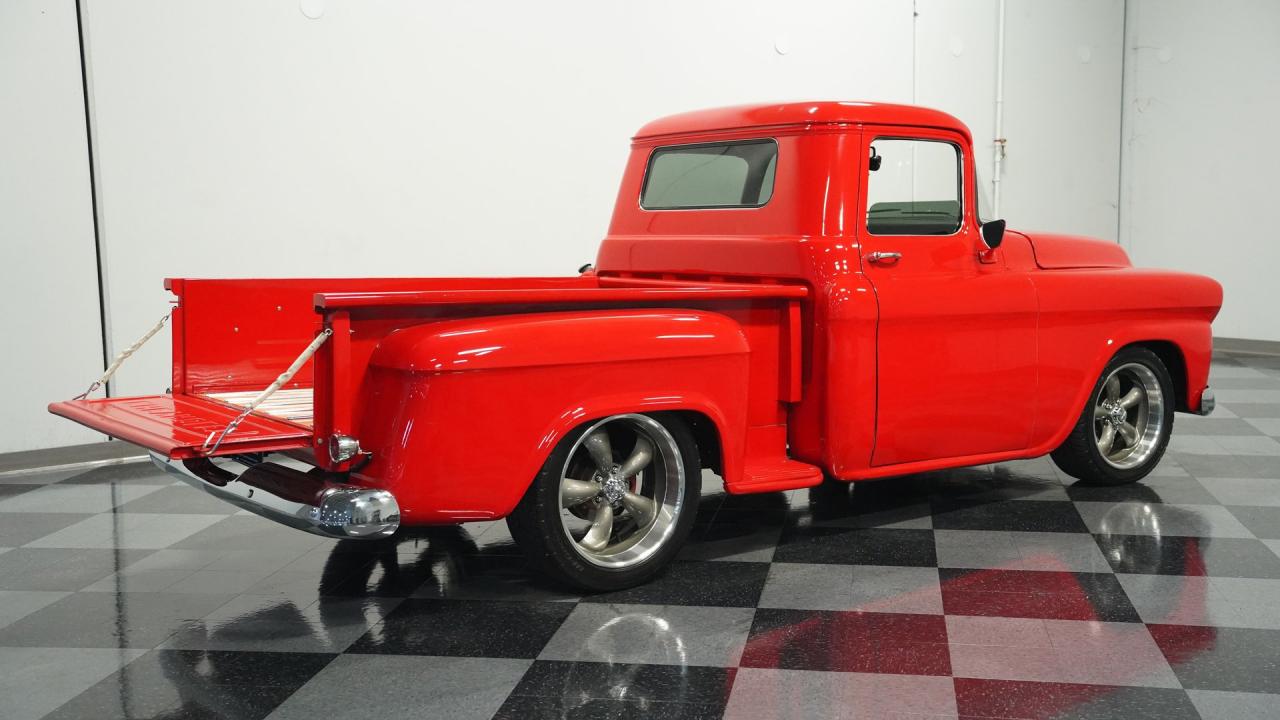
[[706, 435], [1174, 360], [709, 424], [1183, 348]]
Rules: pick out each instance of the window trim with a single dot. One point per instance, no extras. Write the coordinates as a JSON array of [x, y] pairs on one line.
[[653, 155], [960, 161]]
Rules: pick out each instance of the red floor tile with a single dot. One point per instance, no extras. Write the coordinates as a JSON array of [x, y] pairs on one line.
[[848, 642]]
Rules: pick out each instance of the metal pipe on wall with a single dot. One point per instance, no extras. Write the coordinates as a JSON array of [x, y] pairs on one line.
[[999, 138]]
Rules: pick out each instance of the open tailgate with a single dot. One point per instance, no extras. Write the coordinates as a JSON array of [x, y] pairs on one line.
[[178, 425]]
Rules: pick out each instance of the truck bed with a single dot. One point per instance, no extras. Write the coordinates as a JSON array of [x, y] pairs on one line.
[[232, 338], [296, 405]]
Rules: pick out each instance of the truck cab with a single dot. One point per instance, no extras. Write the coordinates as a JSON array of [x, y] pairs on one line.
[[923, 314]]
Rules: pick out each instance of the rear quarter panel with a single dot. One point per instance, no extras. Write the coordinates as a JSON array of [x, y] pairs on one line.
[[460, 415]]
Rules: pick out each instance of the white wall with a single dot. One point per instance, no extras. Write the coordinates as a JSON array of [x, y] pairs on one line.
[[1201, 161], [1062, 115], [955, 55], [241, 138], [50, 340], [412, 138], [1061, 109]]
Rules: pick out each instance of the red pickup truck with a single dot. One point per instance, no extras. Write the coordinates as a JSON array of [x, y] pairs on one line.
[[788, 294]]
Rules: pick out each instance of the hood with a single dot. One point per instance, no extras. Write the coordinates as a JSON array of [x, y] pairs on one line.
[[1063, 252]]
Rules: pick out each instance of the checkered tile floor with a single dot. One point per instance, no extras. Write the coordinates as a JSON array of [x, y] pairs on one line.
[[999, 591]]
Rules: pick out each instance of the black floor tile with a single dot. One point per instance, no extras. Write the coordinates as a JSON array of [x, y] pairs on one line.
[[1231, 466], [472, 628], [1253, 360], [1221, 658], [16, 489], [848, 504], [1252, 383], [857, 546], [734, 527], [438, 562], [1036, 700], [1012, 515], [527, 707], [1263, 522], [834, 500], [1221, 426], [430, 542], [18, 529], [713, 583], [384, 575], [134, 473], [60, 568], [1171, 555], [640, 683], [1001, 483], [490, 577], [249, 532], [1256, 410], [1180, 490], [758, 510], [196, 684], [178, 499], [100, 619], [496, 540]]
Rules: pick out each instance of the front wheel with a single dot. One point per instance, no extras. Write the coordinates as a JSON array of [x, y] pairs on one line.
[[613, 503], [1124, 429]]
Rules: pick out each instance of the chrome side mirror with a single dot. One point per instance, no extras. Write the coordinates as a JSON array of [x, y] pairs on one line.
[[993, 233]]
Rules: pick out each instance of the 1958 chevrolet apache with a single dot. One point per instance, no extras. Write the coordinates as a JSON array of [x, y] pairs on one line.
[[788, 294]]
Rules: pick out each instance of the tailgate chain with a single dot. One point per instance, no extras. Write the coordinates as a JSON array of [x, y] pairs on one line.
[[124, 356], [285, 377]]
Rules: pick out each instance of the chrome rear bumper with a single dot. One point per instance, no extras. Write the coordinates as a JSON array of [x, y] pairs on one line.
[[294, 498]]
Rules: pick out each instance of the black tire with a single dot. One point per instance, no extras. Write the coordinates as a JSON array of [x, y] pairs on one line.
[[1080, 455], [537, 528]]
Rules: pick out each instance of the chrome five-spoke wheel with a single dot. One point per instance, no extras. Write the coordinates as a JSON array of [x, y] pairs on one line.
[[621, 489], [1123, 429], [613, 501], [1128, 416]]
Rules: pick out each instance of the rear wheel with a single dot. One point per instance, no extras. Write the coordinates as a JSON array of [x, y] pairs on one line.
[[613, 502], [1124, 429]]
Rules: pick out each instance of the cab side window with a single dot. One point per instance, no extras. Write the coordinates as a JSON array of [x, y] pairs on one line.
[[913, 187]]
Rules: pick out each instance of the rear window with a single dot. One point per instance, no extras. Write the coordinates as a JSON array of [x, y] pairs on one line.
[[710, 175]]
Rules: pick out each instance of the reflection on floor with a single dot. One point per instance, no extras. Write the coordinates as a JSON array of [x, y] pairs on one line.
[[997, 591]]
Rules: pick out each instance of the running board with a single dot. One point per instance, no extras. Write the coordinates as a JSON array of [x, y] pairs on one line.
[[775, 475]]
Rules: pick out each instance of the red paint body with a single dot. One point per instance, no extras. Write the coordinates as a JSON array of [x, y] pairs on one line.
[[764, 322]]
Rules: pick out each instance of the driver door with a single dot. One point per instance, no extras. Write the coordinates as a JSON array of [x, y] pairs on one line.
[[956, 339]]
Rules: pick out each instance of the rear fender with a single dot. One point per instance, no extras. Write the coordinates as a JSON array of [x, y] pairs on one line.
[[460, 415], [730, 422], [560, 338]]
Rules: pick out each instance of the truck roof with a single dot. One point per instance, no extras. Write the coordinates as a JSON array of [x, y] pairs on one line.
[[800, 113]]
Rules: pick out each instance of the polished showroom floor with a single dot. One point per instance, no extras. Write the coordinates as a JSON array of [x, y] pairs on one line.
[[1002, 591]]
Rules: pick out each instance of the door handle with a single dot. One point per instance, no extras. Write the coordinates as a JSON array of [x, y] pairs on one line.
[[886, 258]]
